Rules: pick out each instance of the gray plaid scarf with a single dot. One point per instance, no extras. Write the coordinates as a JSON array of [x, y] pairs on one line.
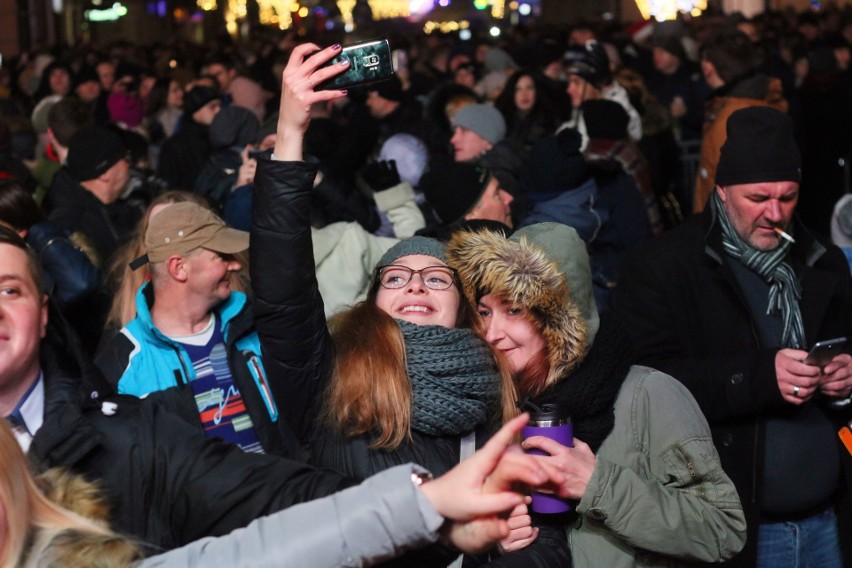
[[784, 289]]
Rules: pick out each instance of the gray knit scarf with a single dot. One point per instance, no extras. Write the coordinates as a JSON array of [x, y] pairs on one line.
[[455, 383], [784, 289]]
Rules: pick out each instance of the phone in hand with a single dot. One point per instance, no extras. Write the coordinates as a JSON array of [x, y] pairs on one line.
[[369, 62], [823, 352]]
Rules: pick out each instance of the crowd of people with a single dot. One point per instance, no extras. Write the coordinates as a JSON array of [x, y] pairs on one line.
[[245, 317]]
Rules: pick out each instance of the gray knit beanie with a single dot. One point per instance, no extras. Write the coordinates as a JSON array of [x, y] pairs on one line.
[[483, 119], [414, 245]]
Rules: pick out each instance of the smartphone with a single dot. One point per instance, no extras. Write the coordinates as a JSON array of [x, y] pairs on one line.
[[823, 352], [255, 154], [369, 62]]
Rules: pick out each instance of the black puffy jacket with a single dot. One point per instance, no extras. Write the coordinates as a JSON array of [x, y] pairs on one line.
[[168, 485]]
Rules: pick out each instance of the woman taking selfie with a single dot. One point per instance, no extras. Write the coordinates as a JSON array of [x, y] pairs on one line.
[[646, 477], [402, 376]]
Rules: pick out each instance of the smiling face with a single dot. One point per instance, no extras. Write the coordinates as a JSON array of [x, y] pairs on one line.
[[525, 94], [414, 302], [755, 209], [23, 319], [511, 331], [209, 275]]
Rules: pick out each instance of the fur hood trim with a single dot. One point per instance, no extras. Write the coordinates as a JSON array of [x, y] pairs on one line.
[[525, 274]]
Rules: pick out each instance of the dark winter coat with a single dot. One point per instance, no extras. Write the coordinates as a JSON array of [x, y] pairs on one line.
[[688, 317], [167, 484]]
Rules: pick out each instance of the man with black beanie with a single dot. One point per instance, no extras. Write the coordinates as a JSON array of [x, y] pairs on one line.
[[729, 303], [186, 151], [97, 164]]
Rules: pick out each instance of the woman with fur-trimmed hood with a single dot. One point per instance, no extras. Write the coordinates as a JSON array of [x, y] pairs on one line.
[[648, 484]]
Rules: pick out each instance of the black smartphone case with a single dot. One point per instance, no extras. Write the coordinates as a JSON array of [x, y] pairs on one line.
[[369, 62]]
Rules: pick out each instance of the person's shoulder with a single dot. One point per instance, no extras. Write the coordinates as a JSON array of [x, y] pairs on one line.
[[685, 240], [654, 396]]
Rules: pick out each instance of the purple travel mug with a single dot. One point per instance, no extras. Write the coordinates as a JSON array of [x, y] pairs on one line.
[[547, 420]]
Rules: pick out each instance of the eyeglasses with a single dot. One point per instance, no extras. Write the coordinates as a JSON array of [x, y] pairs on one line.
[[394, 277]]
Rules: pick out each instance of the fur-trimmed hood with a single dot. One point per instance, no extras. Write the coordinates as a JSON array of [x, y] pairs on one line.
[[543, 268], [72, 548]]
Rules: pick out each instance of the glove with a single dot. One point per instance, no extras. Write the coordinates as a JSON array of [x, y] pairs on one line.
[[381, 175]]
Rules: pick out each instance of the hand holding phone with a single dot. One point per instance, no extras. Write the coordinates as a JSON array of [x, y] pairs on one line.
[[823, 352], [369, 62]]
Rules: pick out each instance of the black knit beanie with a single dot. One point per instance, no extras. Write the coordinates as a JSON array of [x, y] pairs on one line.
[[760, 148], [453, 188], [196, 98]]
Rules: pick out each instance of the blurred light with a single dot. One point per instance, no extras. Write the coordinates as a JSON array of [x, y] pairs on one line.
[[608, 16], [303, 12], [494, 31], [294, 7], [464, 35], [480, 4], [420, 6], [172, 63], [444, 3], [524, 9], [349, 28], [329, 25], [110, 14]]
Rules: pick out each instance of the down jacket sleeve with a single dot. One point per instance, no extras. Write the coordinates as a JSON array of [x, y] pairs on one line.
[[359, 526], [658, 485], [289, 317]]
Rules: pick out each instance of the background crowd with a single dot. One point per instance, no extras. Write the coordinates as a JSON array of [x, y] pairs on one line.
[[135, 174]]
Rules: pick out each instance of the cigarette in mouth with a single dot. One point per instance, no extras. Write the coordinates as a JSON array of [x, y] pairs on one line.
[[782, 234]]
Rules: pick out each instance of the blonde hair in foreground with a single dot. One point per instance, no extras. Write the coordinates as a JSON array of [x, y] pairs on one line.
[[30, 514]]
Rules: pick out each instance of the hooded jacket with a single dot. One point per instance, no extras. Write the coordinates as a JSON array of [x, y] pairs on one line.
[[658, 495]]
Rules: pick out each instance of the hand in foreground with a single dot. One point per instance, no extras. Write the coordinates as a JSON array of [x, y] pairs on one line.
[[461, 497], [521, 531], [304, 70], [836, 379], [797, 381], [577, 463]]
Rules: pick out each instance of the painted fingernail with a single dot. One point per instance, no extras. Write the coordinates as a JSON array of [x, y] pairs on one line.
[[335, 47], [345, 62], [344, 91]]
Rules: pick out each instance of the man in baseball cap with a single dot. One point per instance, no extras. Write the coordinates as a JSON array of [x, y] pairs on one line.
[[192, 331]]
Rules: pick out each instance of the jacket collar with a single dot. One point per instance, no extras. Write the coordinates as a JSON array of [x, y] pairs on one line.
[[227, 311], [65, 437]]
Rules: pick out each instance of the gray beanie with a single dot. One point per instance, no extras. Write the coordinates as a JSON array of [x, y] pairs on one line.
[[414, 245], [483, 119]]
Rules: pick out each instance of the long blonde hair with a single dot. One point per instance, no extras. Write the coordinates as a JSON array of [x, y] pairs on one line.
[[30, 514], [370, 390], [126, 282]]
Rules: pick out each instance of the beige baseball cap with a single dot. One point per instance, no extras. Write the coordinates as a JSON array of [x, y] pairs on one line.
[[182, 227]]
